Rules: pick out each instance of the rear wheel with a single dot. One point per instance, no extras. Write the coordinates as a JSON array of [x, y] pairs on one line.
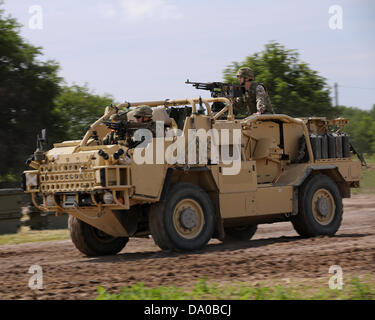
[[320, 207], [185, 220], [92, 241]]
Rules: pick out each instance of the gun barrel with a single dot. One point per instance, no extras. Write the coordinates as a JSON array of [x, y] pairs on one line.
[[189, 82], [202, 85]]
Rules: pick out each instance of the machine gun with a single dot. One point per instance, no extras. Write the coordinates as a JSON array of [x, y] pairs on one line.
[[219, 89], [125, 130]]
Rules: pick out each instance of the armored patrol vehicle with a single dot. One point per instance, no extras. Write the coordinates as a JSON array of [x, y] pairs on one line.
[[260, 169]]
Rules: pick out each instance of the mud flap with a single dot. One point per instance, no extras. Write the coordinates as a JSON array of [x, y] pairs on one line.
[[104, 220]]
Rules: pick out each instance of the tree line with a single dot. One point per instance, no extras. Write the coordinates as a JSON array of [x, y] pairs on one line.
[[297, 90], [33, 96]]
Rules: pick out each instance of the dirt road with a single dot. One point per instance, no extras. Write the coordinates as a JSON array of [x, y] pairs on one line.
[[275, 252]]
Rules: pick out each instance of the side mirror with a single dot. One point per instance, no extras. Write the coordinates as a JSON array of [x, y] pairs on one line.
[[42, 139]]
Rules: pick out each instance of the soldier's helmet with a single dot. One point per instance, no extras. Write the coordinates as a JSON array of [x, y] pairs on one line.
[[143, 111], [119, 116], [245, 72]]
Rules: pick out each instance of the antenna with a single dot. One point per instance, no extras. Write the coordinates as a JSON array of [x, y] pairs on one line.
[[336, 94]]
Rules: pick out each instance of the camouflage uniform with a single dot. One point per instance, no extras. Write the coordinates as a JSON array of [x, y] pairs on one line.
[[143, 112], [255, 99]]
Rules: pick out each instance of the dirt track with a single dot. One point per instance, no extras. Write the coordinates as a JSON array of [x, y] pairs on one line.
[[275, 252]]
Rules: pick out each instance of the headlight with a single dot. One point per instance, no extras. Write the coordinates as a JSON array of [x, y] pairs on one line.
[[108, 198]]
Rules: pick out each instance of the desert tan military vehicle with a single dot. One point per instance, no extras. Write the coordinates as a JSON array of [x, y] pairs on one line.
[[285, 169]]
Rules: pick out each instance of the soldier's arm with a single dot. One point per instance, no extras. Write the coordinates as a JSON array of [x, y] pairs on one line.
[[261, 99]]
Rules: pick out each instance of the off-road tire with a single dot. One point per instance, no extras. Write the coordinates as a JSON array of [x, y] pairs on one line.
[[240, 233], [93, 242], [316, 218], [185, 221], [156, 226]]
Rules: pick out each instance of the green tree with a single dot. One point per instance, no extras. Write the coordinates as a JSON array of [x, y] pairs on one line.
[[294, 88], [28, 88], [75, 108], [361, 128]]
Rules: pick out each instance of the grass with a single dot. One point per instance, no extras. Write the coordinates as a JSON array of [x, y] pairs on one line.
[[27, 235], [354, 289], [367, 177]]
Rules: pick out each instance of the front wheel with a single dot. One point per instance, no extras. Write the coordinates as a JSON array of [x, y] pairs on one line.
[[320, 207], [92, 241], [185, 220]]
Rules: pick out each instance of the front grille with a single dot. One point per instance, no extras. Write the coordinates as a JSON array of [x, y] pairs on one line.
[[66, 177]]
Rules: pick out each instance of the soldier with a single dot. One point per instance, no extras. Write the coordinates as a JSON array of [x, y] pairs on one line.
[[255, 99], [143, 114], [110, 137], [143, 117]]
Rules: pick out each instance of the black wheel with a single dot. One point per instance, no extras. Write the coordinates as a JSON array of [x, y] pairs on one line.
[[93, 242], [156, 226], [185, 220], [240, 233], [320, 208]]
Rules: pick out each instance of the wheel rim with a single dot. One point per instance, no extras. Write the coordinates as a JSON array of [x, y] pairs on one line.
[[323, 205], [188, 218]]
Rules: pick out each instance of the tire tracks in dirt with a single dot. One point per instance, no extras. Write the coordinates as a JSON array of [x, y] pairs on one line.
[[275, 252]]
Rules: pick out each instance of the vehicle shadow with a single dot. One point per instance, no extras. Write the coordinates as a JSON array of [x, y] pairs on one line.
[[211, 247]]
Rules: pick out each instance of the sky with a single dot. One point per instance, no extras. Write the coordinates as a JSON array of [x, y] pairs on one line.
[[140, 50]]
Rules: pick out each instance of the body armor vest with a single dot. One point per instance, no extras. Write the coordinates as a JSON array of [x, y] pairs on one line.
[[247, 104]]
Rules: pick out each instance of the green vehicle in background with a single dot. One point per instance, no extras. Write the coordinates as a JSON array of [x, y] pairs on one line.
[[16, 210], [10, 210]]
